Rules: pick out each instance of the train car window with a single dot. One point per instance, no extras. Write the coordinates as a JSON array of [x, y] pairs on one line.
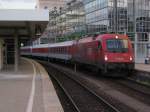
[[65, 49], [54, 49]]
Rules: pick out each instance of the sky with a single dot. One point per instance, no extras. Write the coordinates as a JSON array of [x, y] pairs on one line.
[[17, 4]]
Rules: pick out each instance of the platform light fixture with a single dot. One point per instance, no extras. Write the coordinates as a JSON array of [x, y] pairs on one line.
[[22, 44]]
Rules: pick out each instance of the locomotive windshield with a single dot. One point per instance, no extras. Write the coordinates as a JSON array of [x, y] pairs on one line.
[[117, 45]]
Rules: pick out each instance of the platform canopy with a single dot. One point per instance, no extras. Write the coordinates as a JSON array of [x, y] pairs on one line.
[[19, 25], [25, 22]]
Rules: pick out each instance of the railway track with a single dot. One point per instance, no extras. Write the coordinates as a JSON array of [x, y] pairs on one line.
[[124, 81], [132, 88], [119, 84], [144, 81], [83, 99], [63, 96], [142, 77], [125, 85], [143, 89]]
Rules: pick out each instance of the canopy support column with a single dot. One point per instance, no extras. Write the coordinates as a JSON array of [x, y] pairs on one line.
[[16, 52]]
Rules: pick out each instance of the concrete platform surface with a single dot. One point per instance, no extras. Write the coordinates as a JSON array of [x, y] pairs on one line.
[[28, 90], [143, 67]]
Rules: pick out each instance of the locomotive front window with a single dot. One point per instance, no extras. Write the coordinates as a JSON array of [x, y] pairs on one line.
[[117, 45]]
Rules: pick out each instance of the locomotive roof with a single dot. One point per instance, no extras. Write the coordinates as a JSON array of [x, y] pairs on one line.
[[86, 39], [61, 44], [25, 47], [106, 36], [100, 36]]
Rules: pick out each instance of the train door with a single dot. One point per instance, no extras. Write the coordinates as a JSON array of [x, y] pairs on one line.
[[99, 54], [91, 52], [82, 51], [77, 51]]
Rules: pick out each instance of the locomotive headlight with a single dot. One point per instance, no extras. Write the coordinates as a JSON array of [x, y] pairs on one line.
[[131, 58], [116, 37], [106, 58]]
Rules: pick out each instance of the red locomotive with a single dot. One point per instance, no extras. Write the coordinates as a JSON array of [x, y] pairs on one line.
[[106, 52]]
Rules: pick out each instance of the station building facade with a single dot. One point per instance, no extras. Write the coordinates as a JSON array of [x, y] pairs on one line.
[[131, 17], [50, 4], [66, 21]]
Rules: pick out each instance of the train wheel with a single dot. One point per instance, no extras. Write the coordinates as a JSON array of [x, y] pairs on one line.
[[130, 72]]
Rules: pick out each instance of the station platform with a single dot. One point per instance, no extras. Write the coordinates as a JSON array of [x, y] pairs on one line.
[[28, 90], [143, 67]]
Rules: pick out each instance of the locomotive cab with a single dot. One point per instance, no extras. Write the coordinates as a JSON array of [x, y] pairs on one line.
[[116, 53]]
